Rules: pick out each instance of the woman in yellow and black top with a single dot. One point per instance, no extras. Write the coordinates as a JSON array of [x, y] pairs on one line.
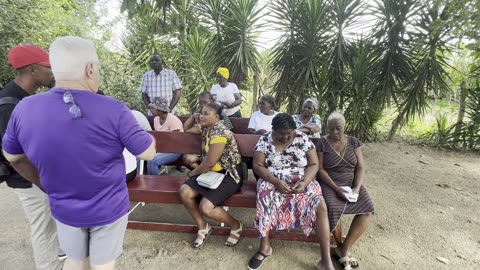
[[219, 154]]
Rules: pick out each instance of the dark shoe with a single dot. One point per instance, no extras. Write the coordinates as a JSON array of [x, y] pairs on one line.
[[62, 257], [182, 169], [255, 263]]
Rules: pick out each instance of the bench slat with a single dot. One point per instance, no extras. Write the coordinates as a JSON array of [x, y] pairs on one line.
[[247, 232], [164, 189]]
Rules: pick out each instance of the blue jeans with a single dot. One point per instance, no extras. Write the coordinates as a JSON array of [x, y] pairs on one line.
[[160, 159]]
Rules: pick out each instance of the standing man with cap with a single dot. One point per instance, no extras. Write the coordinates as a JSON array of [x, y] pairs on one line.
[[33, 71], [160, 82]]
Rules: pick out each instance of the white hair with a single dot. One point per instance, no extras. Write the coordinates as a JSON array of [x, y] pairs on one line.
[[336, 116], [314, 102], [69, 56]]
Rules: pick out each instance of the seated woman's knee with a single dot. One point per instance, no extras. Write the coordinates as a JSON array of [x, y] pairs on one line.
[[206, 206], [185, 192], [322, 207]]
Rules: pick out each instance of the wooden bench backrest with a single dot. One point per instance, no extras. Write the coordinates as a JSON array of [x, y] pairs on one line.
[[187, 143], [240, 125]]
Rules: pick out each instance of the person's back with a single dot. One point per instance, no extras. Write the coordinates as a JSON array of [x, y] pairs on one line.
[[93, 146], [69, 141]]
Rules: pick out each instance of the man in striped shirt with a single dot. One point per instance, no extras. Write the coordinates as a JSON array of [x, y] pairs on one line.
[[160, 82]]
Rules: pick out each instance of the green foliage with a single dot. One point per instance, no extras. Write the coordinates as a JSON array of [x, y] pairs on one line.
[[240, 28], [39, 22], [200, 56], [120, 78], [183, 37], [442, 135], [470, 132], [362, 109], [297, 57]]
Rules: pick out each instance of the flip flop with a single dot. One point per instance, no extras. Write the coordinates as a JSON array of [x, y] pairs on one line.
[[234, 236], [353, 261], [202, 236], [255, 263], [345, 262]]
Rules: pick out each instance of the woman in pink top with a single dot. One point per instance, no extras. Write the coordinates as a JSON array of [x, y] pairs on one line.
[[163, 121]]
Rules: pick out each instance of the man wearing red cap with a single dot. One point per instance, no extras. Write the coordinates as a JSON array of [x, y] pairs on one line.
[[33, 71]]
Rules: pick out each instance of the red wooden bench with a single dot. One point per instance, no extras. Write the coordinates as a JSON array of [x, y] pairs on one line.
[[163, 189], [240, 125]]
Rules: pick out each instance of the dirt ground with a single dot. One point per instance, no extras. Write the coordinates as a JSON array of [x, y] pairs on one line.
[[427, 206]]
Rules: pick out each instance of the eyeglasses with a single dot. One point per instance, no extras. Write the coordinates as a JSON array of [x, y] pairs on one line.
[[74, 110]]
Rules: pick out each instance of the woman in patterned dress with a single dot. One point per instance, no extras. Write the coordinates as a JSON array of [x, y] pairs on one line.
[[287, 196], [341, 165], [219, 154]]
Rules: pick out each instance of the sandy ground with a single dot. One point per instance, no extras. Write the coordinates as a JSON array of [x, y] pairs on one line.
[[427, 208]]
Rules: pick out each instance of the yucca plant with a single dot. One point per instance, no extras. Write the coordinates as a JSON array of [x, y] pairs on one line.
[[240, 32], [443, 133], [236, 26], [362, 108], [297, 56], [344, 16], [429, 51], [200, 74], [391, 33], [471, 129]]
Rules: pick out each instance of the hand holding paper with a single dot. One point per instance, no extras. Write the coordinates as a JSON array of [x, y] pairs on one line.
[[351, 196]]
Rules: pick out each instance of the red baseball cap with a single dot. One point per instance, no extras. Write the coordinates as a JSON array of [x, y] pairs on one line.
[[25, 55]]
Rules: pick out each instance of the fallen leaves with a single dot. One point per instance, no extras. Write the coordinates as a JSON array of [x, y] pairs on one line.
[[443, 260]]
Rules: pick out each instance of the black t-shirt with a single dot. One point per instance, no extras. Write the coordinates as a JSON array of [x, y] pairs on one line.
[[12, 90]]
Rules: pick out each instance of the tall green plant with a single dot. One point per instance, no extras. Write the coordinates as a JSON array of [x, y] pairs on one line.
[[344, 14], [471, 130], [201, 64], [362, 109], [429, 53], [297, 56]]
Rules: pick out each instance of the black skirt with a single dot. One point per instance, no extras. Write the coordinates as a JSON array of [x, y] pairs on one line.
[[225, 190]]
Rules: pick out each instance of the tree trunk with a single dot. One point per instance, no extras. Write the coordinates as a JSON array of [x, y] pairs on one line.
[[256, 84], [395, 125], [461, 112]]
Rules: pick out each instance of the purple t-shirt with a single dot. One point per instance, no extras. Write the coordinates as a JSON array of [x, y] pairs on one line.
[[80, 160]]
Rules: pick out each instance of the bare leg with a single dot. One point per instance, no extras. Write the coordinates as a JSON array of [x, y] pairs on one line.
[[107, 266], [188, 195], [357, 228], [322, 229], [77, 265], [265, 247], [337, 233], [218, 213]]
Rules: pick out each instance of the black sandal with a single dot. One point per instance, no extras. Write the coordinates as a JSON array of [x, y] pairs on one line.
[[255, 263]]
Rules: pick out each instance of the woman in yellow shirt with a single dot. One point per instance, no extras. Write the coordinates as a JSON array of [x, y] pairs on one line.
[[219, 154]]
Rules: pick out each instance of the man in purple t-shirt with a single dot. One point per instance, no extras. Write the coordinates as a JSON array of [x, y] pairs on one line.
[[69, 141]]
